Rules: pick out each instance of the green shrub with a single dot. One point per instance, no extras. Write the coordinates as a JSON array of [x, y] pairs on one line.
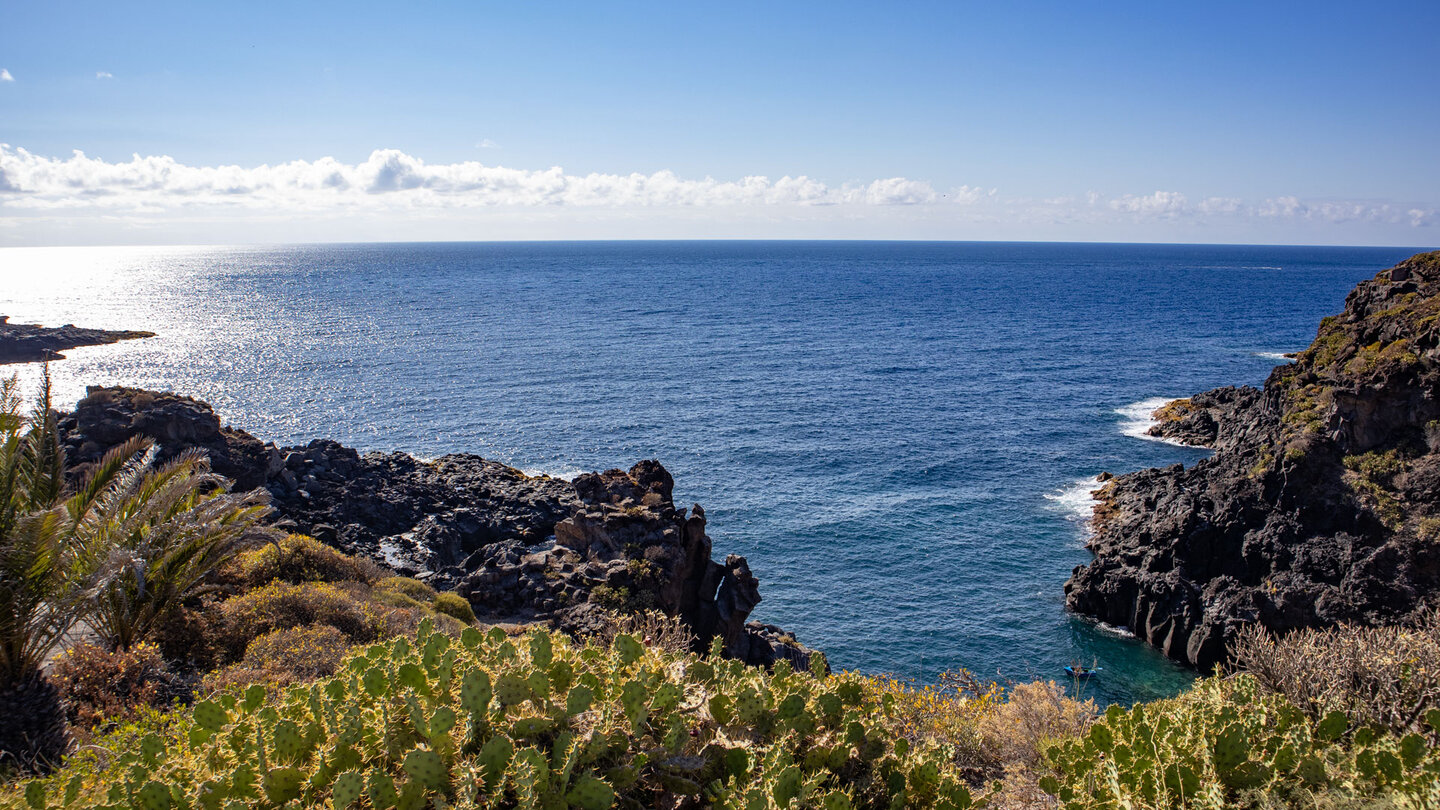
[[614, 599], [284, 657], [298, 558], [395, 599], [413, 588], [454, 605], [280, 606], [488, 721], [313, 651]]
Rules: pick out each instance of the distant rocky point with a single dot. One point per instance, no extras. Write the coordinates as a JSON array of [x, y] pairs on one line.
[[30, 343], [1320, 505], [519, 548]]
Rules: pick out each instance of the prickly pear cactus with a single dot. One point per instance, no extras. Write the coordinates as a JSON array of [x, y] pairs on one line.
[[346, 790], [591, 793], [153, 796], [426, 768], [432, 722], [628, 648], [1224, 744], [512, 690], [475, 691]]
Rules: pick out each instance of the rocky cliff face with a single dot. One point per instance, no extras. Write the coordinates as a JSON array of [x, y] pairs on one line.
[[1320, 505], [516, 546]]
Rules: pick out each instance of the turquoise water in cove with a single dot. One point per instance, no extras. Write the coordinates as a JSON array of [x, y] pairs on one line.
[[897, 435]]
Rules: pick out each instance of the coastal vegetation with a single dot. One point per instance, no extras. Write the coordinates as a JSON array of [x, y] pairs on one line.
[[442, 715]]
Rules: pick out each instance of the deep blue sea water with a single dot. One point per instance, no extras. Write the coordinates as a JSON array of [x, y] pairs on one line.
[[893, 433]]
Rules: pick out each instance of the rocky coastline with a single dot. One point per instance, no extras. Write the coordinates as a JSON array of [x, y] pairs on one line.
[[31, 343], [519, 548], [1320, 505]]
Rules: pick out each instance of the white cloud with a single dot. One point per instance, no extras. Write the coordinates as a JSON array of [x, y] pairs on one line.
[[1163, 203], [392, 192], [1221, 205], [391, 178], [5, 76], [486, 143], [104, 74]]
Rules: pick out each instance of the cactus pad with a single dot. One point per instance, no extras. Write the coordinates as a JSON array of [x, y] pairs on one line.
[[787, 786], [495, 756], [211, 715], [152, 796], [512, 690], [527, 727], [282, 784], [628, 648], [426, 768], [381, 789], [347, 789], [475, 691], [539, 684], [591, 793], [578, 700], [748, 706], [441, 722], [540, 649], [375, 682], [562, 675]]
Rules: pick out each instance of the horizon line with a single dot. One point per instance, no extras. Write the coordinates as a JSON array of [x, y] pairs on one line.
[[729, 239]]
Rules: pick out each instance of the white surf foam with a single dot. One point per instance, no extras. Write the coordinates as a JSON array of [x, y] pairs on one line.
[[1122, 632], [1138, 418], [1277, 356], [1076, 501], [563, 473]]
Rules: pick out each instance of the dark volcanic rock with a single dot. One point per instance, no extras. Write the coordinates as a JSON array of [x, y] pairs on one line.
[[1320, 505], [629, 537], [516, 546], [1198, 421], [110, 416], [418, 515], [29, 342]]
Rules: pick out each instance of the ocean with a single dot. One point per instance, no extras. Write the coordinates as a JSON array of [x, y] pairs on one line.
[[899, 436]]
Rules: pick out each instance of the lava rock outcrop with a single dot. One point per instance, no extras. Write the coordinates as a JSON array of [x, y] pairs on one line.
[[1319, 506]]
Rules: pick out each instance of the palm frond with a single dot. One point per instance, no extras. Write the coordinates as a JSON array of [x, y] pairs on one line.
[[42, 463]]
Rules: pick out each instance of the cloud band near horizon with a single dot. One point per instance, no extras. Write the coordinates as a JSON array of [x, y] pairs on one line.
[[392, 181]]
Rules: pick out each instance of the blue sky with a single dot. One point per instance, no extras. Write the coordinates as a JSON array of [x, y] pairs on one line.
[[1261, 122]]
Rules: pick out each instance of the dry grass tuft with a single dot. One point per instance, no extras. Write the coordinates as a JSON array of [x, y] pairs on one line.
[[656, 629], [1388, 676], [1019, 730]]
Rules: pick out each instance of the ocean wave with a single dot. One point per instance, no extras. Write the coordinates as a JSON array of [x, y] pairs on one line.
[[1077, 503], [1106, 627], [1138, 419], [563, 473], [1281, 356]]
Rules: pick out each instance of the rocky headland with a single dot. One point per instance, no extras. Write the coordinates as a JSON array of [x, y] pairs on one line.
[[518, 547], [1320, 505], [30, 343]]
